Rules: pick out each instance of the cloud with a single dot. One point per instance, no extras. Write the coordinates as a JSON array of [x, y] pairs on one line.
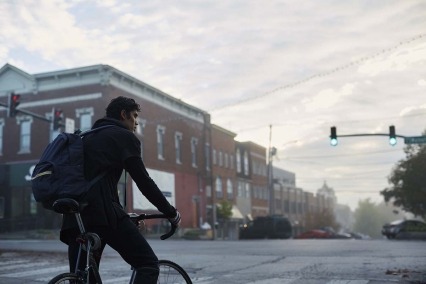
[[300, 67], [327, 98]]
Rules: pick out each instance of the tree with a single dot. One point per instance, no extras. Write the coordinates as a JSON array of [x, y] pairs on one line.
[[370, 218], [408, 181], [224, 210], [224, 213], [323, 218]]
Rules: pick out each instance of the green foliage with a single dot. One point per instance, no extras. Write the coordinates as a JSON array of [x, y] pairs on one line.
[[316, 220], [224, 210], [370, 218], [408, 182], [192, 235]]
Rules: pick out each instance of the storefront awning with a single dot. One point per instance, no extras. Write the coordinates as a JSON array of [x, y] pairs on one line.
[[236, 213]]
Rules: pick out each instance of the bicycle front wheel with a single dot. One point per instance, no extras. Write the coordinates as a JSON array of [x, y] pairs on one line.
[[66, 278], [170, 272]]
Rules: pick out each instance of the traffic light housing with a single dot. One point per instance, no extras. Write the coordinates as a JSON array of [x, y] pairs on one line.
[[333, 136], [57, 119], [14, 101], [392, 135]]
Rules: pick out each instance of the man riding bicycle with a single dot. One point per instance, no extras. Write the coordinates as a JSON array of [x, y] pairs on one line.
[[109, 151]]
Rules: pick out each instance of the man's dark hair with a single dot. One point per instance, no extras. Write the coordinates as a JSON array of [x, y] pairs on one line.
[[117, 104]]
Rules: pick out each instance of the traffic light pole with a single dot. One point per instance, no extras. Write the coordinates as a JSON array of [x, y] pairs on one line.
[[33, 114], [38, 116], [370, 134], [407, 139]]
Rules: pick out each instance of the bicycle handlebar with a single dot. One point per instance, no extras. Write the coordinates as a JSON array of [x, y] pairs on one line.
[[145, 216]]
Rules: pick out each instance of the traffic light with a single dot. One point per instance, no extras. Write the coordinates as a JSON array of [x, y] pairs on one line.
[[333, 136], [14, 101], [57, 119], [392, 135]]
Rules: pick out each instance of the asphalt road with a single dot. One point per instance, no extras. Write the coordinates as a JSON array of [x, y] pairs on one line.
[[237, 262]]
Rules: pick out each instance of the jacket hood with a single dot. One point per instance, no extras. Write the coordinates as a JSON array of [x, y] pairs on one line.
[[108, 121]]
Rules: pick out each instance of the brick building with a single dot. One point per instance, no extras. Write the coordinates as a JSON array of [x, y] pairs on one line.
[[175, 139]]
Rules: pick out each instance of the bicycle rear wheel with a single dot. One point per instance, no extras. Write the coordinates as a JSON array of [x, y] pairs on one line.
[[170, 272], [66, 278]]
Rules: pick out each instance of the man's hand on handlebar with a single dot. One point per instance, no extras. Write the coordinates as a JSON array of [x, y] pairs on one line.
[[175, 221]]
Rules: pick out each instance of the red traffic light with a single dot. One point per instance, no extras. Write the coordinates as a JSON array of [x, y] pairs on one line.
[[14, 101], [57, 119]]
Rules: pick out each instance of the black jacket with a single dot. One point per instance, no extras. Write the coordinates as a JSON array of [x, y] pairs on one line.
[[111, 150]]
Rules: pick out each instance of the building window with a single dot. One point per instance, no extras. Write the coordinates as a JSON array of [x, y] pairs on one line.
[[226, 160], [194, 144], [25, 141], [231, 161], [85, 116], [219, 191], [178, 147], [1, 135], [246, 163], [247, 190], [220, 159], [229, 189], [53, 133], [238, 154], [207, 157], [141, 126], [161, 130], [214, 157], [240, 188]]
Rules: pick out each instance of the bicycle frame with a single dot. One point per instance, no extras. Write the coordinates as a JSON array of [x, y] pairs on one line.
[[90, 241]]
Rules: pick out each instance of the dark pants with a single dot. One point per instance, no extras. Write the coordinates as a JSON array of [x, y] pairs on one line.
[[128, 242]]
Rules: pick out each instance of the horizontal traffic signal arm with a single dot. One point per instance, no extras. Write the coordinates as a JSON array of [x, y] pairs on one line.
[[370, 134]]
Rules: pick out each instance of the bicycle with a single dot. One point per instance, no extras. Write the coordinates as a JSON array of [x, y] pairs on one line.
[[170, 272]]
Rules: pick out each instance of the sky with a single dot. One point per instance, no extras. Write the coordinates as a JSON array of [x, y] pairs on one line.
[[278, 73]]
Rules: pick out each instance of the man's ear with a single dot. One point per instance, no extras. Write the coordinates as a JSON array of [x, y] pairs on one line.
[[123, 115]]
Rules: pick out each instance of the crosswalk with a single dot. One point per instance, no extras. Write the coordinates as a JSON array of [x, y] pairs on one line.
[[32, 270], [41, 271]]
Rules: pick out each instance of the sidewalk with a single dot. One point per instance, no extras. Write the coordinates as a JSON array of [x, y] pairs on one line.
[[31, 234]]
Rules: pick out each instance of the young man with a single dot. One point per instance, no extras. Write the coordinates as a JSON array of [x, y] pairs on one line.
[[111, 150]]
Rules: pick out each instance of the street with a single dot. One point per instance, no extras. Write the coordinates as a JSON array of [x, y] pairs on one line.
[[237, 262]]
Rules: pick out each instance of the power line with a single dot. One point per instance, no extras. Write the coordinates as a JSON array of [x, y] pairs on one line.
[[322, 74]]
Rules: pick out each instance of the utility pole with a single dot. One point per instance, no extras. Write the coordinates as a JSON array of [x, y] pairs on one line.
[[271, 151]]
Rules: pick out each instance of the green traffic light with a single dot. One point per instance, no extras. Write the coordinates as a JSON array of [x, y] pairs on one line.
[[333, 136], [392, 135]]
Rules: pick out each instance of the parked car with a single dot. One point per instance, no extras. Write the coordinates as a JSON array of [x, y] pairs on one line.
[[405, 229], [269, 227], [323, 233], [314, 234]]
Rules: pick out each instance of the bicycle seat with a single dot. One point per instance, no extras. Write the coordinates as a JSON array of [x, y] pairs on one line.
[[67, 206]]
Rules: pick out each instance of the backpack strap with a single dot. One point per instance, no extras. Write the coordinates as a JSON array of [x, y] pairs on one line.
[[97, 178], [91, 131]]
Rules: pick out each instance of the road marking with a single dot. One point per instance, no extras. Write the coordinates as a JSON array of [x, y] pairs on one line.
[[19, 266], [49, 270], [11, 262]]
